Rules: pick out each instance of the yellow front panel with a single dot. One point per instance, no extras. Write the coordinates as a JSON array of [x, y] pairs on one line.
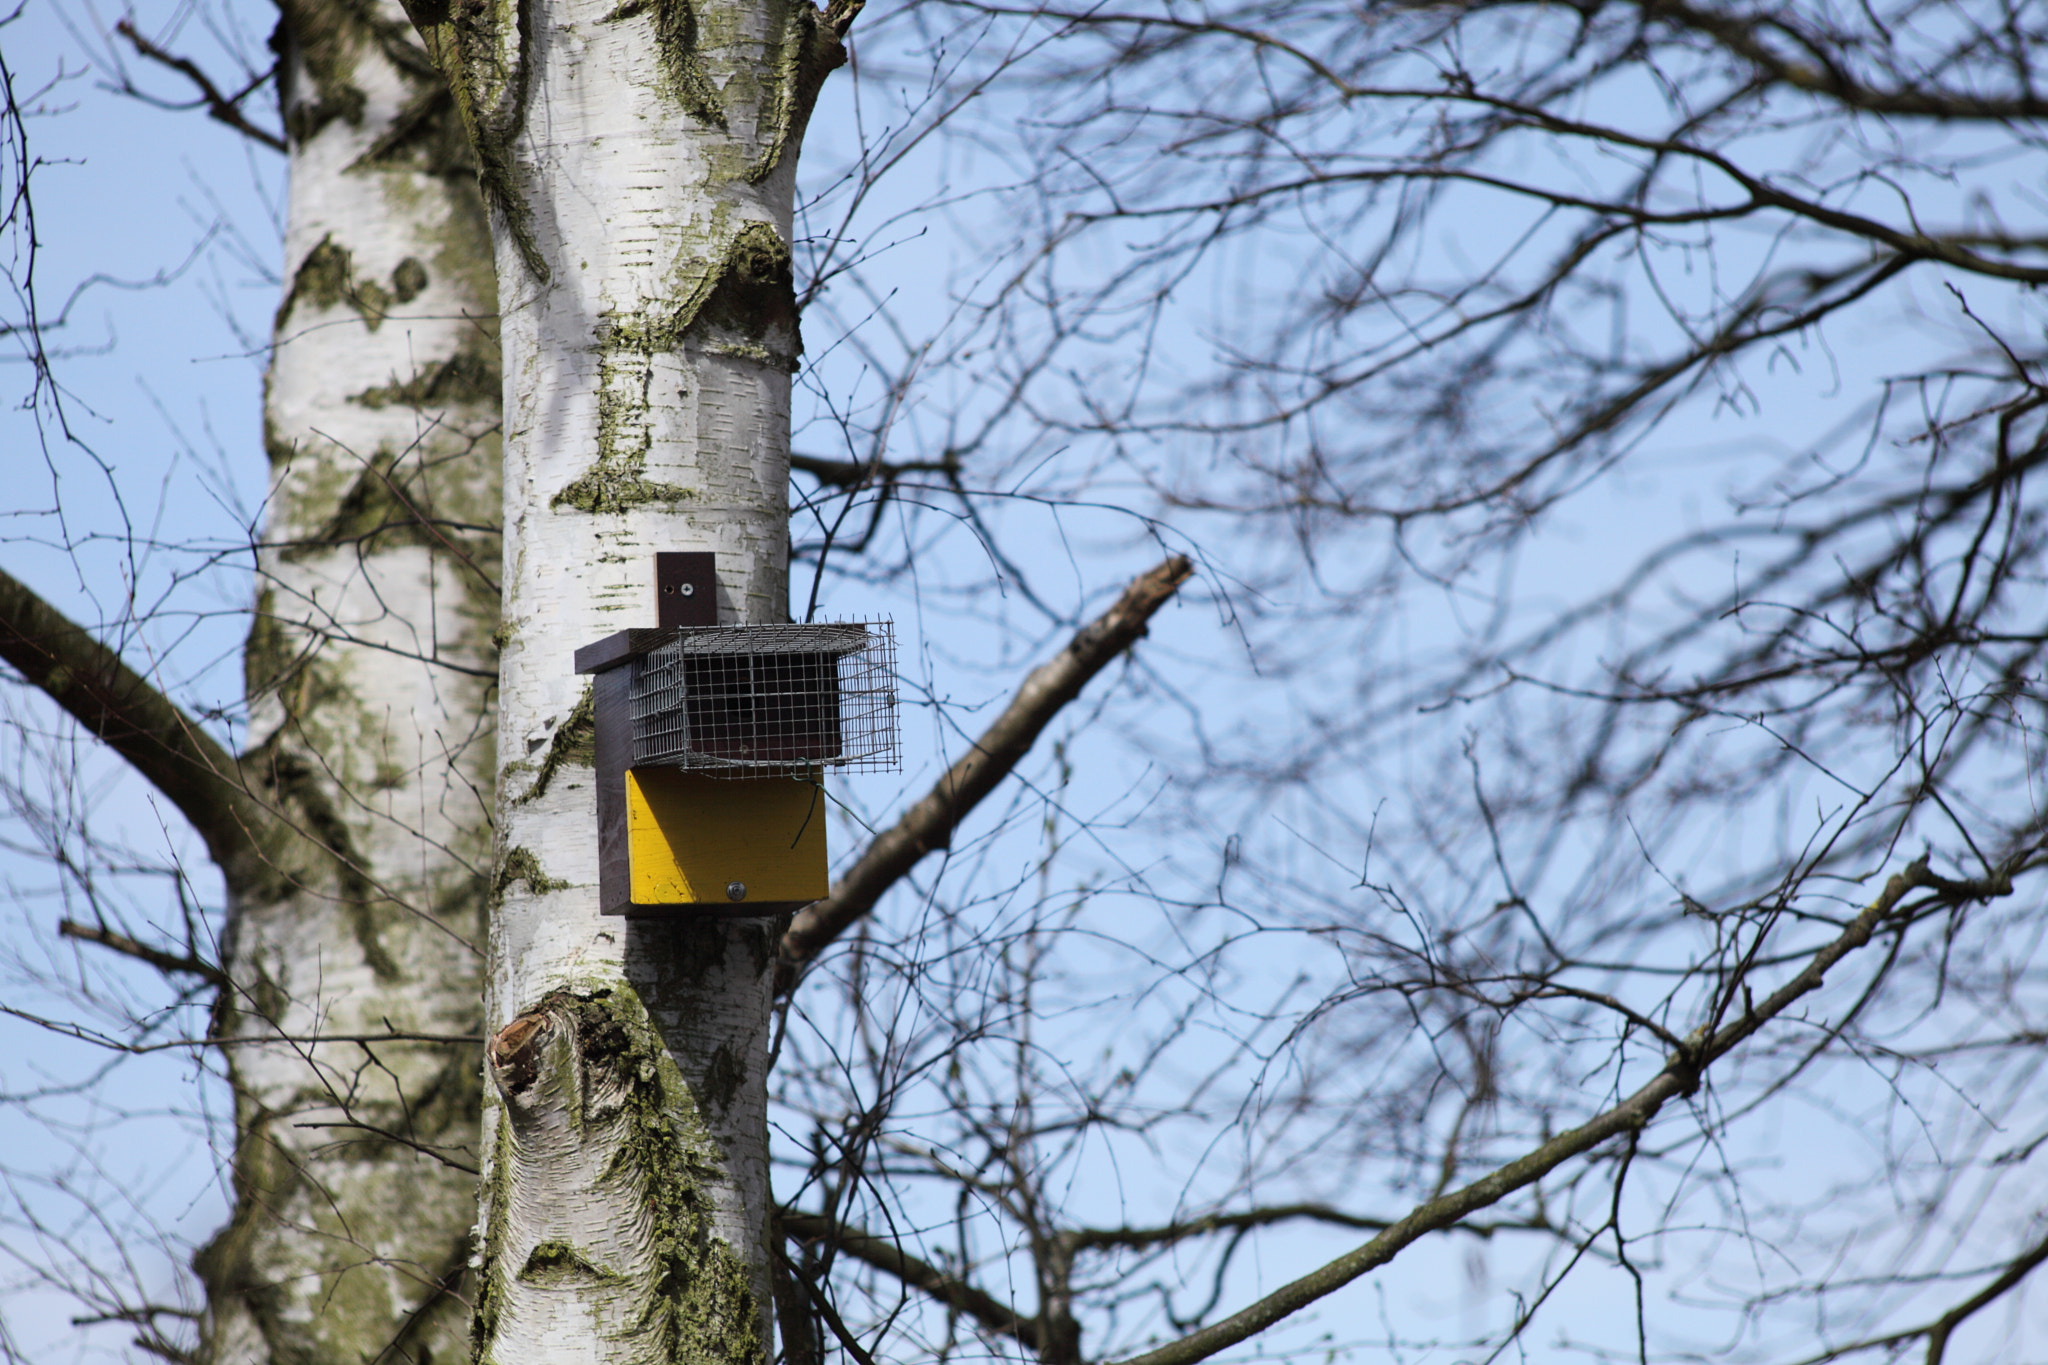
[[689, 836]]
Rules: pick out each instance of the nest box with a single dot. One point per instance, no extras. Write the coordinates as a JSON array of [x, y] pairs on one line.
[[712, 743]]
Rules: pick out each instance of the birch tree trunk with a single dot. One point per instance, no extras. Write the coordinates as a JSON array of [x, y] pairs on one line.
[[370, 683], [638, 160]]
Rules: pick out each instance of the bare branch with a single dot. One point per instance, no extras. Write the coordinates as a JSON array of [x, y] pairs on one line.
[[140, 724], [862, 473], [840, 14], [1136, 1237], [886, 1256], [930, 823], [66, 1029], [823, 1305], [1681, 1076], [432, 1153], [1938, 1331], [223, 108], [155, 957], [1738, 34]]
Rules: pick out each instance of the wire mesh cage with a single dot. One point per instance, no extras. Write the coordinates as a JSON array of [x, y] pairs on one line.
[[748, 701]]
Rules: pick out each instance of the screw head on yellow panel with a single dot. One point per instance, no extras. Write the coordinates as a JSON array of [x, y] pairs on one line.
[[735, 891]]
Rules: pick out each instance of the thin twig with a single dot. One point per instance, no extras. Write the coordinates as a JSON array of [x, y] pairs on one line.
[[223, 108], [1681, 1076], [155, 957]]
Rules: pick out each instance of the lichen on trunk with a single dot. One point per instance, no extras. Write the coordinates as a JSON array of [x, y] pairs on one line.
[[592, 1099], [371, 704], [642, 235]]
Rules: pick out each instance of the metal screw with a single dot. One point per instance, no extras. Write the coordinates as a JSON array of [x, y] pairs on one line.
[[690, 590], [735, 891]]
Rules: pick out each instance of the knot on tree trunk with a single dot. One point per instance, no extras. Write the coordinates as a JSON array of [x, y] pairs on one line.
[[600, 1195]]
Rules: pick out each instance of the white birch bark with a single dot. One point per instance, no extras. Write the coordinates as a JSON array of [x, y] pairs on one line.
[[371, 724], [639, 162]]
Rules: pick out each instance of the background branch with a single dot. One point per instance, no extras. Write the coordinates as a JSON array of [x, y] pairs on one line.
[[886, 1256], [1681, 1076], [930, 823], [139, 723], [155, 957], [223, 108], [860, 473]]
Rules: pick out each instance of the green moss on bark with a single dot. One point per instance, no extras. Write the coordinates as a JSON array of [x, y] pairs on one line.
[[490, 1289], [249, 1270], [606, 489], [327, 277], [616, 481], [574, 744], [425, 137], [682, 62], [361, 902], [519, 865], [594, 1055], [700, 1304], [322, 279], [328, 41], [267, 658], [375, 514], [755, 291], [741, 302], [723, 1077], [469, 376], [306, 119], [555, 1262], [480, 48], [809, 52], [616, 485], [679, 40]]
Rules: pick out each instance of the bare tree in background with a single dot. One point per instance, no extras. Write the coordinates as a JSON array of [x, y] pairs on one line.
[[1566, 796], [1656, 918]]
